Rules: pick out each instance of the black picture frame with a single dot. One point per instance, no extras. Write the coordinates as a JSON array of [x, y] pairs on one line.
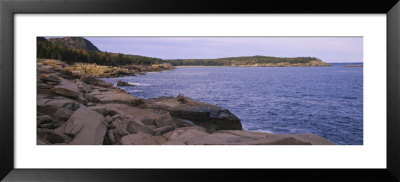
[[9, 8]]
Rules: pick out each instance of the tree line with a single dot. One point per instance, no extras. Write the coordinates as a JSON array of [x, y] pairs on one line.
[[250, 60], [48, 50]]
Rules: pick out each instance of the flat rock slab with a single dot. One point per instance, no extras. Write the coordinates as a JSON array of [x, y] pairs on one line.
[[50, 105], [259, 138], [114, 96], [142, 139], [185, 135], [198, 136], [87, 127], [313, 139], [66, 88], [49, 77], [159, 118]]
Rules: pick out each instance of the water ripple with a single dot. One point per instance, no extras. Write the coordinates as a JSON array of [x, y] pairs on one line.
[[326, 101]]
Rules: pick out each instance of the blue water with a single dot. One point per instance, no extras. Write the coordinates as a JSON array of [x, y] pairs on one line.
[[327, 101]]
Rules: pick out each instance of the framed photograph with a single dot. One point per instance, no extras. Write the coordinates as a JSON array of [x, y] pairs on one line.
[[128, 90]]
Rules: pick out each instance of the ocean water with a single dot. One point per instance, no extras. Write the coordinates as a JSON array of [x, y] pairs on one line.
[[327, 101]]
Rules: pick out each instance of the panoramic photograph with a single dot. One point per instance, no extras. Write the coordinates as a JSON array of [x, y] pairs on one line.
[[199, 90]]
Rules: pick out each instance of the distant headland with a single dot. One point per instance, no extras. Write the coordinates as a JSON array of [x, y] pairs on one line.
[[252, 61]]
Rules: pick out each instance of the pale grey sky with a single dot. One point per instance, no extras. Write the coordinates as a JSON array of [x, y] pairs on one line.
[[329, 49]]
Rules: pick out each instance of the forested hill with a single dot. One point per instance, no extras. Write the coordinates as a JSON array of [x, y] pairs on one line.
[[74, 42], [71, 54], [78, 49], [251, 61]]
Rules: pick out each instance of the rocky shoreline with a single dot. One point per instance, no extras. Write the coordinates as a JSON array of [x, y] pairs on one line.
[[77, 108], [106, 71]]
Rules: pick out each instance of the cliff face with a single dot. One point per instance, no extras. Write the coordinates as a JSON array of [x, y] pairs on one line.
[[78, 109]]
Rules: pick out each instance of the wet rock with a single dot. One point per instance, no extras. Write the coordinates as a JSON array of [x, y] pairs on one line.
[[181, 98], [182, 122], [211, 117], [122, 83]]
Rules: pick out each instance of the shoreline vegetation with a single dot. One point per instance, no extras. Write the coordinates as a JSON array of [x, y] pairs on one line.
[[79, 50], [75, 107], [252, 61]]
